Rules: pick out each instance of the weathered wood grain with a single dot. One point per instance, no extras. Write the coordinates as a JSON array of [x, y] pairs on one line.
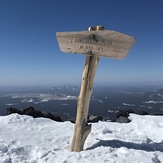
[[104, 43], [82, 129]]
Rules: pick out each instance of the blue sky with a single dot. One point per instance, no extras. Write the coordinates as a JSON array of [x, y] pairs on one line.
[[30, 55]]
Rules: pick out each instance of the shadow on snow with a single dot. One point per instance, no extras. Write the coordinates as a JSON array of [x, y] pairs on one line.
[[149, 146]]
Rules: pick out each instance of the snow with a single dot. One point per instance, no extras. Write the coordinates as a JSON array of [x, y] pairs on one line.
[[10, 104], [153, 102], [40, 98], [24, 139], [125, 104]]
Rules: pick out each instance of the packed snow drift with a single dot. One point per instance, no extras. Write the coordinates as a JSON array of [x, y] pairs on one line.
[[24, 139]]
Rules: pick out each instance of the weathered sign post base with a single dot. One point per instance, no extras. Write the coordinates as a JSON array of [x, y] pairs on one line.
[[82, 129], [95, 43]]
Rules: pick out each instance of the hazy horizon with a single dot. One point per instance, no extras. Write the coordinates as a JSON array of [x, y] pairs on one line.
[[148, 84]]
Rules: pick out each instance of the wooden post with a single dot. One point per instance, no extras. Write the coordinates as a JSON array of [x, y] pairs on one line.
[[82, 129], [94, 43]]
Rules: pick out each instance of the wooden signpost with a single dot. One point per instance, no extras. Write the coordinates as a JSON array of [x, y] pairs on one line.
[[95, 43], [102, 43]]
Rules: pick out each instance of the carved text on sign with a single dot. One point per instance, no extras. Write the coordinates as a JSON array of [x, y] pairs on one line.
[[88, 44], [103, 43], [90, 48], [91, 41]]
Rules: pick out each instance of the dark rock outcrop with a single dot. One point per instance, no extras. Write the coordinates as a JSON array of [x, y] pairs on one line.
[[94, 118], [122, 116], [142, 112], [157, 114], [14, 110], [91, 119], [123, 120], [34, 113], [124, 113], [52, 117]]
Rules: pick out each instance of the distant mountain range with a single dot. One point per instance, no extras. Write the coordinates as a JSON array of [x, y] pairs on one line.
[[68, 90], [160, 91], [74, 91], [105, 100], [158, 95]]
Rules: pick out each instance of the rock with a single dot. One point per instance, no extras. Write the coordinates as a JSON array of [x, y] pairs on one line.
[[123, 120], [124, 113], [157, 114], [53, 117], [14, 110], [94, 118], [142, 112], [91, 119], [34, 113], [122, 116]]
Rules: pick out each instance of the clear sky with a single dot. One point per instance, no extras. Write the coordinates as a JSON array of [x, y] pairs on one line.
[[30, 55]]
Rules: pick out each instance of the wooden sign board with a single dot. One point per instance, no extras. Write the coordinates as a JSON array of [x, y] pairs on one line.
[[104, 43]]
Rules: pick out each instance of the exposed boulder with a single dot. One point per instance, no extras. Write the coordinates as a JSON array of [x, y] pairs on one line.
[[157, 114], [14, 110], [124, 113], [142, 112], [53, 117], [122, 116], [91, 119], [94, 118], [123, 120], [34, 113]]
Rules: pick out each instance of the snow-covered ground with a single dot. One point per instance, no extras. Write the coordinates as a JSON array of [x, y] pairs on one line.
[[24, 139]]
